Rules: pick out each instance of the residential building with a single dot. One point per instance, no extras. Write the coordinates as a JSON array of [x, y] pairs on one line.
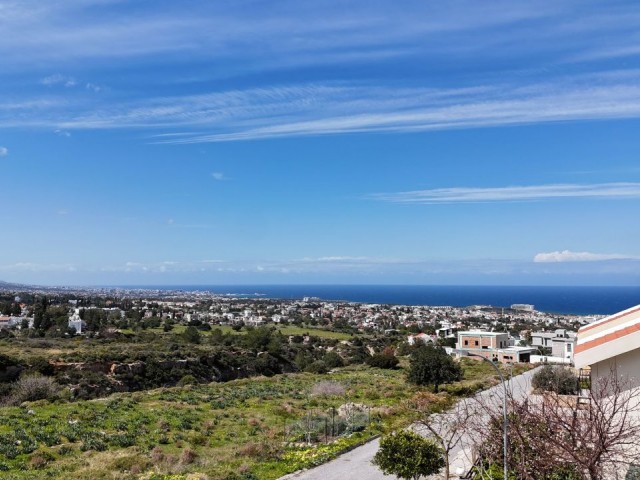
[[611, 345], [420, 337], [491, 345]]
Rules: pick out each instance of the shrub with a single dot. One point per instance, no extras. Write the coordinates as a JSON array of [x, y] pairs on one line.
[[187, 456], [333, 360], [328, 389], [317, 367], [555, 378], [408, 455], [187, 380], [382, 360], [33, 387]]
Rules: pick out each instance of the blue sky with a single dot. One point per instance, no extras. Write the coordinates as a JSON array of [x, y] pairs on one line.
[[347, 141]]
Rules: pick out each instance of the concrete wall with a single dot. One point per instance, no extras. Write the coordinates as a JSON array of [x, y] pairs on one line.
[[549, 359], [626, 366]]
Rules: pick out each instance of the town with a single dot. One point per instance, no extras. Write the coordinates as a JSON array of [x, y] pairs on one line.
[[514, 334]]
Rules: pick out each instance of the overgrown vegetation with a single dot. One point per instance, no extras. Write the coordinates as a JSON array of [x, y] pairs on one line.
[[556, 378], [221, 430]]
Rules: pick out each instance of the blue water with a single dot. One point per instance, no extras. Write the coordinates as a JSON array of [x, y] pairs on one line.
[[569, 300]]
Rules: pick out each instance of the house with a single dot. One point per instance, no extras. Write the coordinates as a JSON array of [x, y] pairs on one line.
[[420, 337], [611, 345], [561, 344], [491, 345], [75, 322]]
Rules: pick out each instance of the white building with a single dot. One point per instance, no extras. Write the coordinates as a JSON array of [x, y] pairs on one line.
[[611, 345], [76, 322]]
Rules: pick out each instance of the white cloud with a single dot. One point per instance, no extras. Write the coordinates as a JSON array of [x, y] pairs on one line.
[[339, 259], [58, 79], [4, 151], [62, 133], [93, 87], [37, 267], [219, 176], [569, 256], [511, 194]]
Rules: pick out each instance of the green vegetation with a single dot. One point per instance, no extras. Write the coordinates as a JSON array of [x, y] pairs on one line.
[[151, 395], [432, 366], [223, 430], [408, 455], [236, 426], [557, 379]]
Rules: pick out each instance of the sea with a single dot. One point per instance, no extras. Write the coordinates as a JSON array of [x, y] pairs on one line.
[[581, 300]]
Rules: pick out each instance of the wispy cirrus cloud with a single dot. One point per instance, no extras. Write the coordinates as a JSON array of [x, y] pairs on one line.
[[299, 35], [339, 107], [513, 193], [569, 256], [4, 151]]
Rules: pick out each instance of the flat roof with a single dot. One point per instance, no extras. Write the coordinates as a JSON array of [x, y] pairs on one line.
[[482, 332]]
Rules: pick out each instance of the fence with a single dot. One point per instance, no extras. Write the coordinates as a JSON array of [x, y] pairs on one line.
[[318, 426]]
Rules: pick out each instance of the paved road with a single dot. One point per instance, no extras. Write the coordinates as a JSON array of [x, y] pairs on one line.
[[356, 464]]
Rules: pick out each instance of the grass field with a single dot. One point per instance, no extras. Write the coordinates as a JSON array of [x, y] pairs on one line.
[[233, 430], [284, 330]]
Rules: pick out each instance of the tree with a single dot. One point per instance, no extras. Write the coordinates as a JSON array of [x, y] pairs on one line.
[[408, 456], [192, 335], [556, 436], [432, 366], [447, 428]]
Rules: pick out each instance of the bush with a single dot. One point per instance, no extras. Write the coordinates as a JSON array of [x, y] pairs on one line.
[[408, 455], [187, 380], [382, 360], [33, 387], [328, 389], [317, 367], [555, 378], [333, 360]]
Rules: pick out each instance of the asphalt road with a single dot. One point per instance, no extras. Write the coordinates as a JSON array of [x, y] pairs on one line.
[[356, 464]]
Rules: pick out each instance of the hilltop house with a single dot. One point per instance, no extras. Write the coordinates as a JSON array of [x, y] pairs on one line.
[[496, 346], [611, 344]]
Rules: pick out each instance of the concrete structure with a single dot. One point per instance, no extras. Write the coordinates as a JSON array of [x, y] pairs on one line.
[[523, 307], [446, 330], [492, 345], [76, 322], [560, 342], [611, 344], [420, 337]]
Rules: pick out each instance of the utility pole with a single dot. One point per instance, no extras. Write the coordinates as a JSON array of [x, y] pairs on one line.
[[505, 420]]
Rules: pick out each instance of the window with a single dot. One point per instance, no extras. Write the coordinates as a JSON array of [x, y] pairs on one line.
[[568, 347], [466, 342], [476, 343]]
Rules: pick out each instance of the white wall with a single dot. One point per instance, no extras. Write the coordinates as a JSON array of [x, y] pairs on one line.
[[626, 366]]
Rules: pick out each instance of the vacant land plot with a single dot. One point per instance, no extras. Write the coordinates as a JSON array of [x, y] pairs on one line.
[[239, 429]]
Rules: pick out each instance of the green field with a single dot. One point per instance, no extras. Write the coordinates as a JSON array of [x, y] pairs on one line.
[[284, 330], [233, 430]]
